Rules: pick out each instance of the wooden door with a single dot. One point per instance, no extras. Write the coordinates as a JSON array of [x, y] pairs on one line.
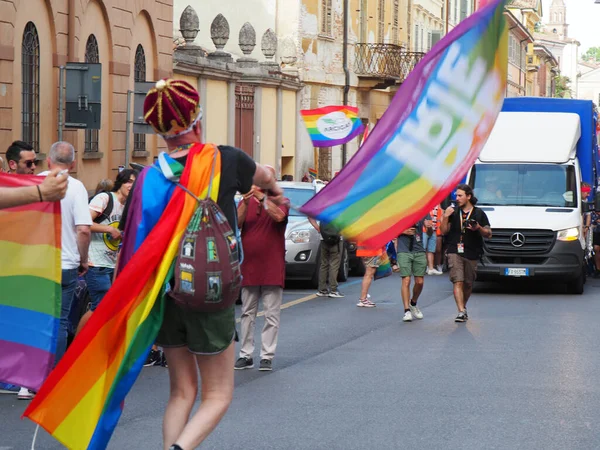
[[244, 118]]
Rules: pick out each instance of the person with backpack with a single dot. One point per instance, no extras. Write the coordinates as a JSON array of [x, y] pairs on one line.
[[197, 330], [331, 258], [106, 209]]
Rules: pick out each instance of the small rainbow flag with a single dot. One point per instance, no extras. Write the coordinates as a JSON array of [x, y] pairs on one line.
[[332, 125], [428, 138], [313, 173], [81, 401], [30, 298]]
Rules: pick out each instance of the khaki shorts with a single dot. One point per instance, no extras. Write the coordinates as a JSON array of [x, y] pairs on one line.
[[412, 264], [372, 261], [201, 333], [462, 269]]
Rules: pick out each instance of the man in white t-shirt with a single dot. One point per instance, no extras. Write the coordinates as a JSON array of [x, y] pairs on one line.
[[75, 235]]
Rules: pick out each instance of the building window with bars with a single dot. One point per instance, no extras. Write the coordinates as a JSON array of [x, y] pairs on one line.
[[396, 22], [92, 55], [139, 74], [30, 69], [326, 18], [381, 22]]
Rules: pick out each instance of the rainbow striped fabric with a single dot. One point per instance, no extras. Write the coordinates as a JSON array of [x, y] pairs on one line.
[[30, 289], [332, 125], [428, 138], [81, 401]]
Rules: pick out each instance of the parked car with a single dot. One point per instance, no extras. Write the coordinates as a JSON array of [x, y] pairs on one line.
[[302, 241]]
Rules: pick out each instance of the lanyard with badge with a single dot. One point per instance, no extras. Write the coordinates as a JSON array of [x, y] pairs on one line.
[[463, 221]]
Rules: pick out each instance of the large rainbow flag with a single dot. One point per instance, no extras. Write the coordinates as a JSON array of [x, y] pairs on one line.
[[332, 125], [30, 292], [81, 401], [428, 138]]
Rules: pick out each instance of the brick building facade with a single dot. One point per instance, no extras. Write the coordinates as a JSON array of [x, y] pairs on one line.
[[132, 39]]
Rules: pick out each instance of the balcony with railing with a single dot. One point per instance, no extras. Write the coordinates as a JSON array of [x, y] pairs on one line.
[[385, 61]]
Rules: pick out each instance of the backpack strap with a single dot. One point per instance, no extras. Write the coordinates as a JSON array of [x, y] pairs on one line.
[[108, 210], [166, 170]]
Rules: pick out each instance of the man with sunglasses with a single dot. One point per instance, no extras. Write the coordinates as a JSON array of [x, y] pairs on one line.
[[21, 158]]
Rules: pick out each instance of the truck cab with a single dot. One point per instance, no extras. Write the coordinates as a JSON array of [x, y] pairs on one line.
[[528, 180]]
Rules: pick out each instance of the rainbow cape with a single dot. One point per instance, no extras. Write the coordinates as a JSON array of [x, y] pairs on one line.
[[428, 138], [81, 401], [30, 291], [332, 125]]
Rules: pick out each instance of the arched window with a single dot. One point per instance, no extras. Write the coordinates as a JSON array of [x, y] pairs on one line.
[[30, 83], [139, 74], [92, 55]]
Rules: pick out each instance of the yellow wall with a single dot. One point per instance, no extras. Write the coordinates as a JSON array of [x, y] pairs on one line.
[[192, 80], [288, 131], [379, 103], [268, 132], [216, 111]]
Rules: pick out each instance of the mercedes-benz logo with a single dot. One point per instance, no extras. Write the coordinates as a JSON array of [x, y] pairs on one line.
[[517, 240]]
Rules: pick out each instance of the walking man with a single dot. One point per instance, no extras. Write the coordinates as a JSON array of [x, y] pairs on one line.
[[331, 258], [466, 228], [263, 227], [413, 263]]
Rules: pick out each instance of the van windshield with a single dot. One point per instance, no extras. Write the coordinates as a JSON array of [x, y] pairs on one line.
[[525, 185], [298, 197]]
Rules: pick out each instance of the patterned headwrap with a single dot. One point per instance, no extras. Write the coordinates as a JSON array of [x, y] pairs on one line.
[[172, 108]]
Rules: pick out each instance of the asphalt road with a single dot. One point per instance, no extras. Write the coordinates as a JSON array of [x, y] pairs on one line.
[[521, 374]]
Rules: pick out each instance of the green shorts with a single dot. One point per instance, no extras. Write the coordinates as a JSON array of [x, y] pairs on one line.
[[201, 333], [412, 264]]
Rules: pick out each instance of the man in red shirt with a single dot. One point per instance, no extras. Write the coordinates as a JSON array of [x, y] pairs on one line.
[[263, 227]]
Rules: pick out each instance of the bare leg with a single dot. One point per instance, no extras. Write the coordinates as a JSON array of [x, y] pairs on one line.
[[430, 260], [458, 295], [418, 287], [183, 376], [597, 256], [406, 292], [366, 282], [467, 289], [216, 374]]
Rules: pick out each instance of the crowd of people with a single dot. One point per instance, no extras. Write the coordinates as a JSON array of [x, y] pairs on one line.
[[197, 345]]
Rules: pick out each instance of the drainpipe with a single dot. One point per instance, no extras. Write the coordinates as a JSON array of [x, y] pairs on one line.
[[71, 25], [346, 70]]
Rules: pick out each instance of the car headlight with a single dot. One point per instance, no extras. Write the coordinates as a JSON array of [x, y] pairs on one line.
[[570, 234], [300, 237]]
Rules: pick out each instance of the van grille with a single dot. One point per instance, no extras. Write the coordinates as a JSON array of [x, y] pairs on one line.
[[536, 242]]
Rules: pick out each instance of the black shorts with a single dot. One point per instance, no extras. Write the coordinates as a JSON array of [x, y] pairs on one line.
[[596, 240]]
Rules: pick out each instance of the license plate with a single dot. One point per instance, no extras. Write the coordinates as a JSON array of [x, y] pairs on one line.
[[516, 272]]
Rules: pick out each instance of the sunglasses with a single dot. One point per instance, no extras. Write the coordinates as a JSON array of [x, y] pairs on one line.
[[30, 163]]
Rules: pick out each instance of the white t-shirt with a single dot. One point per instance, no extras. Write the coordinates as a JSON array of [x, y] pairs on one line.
[[74, 211], [103, 248]]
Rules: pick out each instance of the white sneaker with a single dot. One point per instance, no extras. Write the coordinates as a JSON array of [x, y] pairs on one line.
[[408, 317], [435, 272], [25, 394], [440, 269], [416, 312]]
